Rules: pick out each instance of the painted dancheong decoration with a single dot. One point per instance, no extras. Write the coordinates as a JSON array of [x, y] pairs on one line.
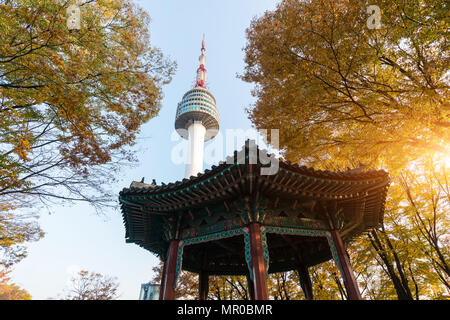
[[234, 220], [197, 118]]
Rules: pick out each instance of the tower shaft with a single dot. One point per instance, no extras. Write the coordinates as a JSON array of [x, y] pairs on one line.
[[196, 142]]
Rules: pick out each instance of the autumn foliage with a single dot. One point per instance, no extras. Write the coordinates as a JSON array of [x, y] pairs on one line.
[[11, 291], [336, 86], [72, 100], [71, 105], [346, 95]]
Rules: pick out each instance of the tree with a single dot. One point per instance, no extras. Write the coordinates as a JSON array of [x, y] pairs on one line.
[[429, 204], [285, 286], [71, 105], [16, 229], [73, 101], [92, 286], [187, 284], [348, 95], [228, 288], [11, 291], [338, 88]]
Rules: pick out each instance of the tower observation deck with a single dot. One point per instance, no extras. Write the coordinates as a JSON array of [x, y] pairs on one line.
[[197, 118]]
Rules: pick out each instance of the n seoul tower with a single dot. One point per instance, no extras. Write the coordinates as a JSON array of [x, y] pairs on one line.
[[197, 119]]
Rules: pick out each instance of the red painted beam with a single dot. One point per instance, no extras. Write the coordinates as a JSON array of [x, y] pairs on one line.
[[349, 279], [163, 276], [258, 263], [251, 288], [170, 271], [203, 285]]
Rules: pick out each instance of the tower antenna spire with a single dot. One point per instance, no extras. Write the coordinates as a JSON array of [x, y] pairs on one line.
[[201, 71]]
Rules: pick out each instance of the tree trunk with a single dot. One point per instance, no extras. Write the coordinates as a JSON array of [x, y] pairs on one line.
[[403, 293]]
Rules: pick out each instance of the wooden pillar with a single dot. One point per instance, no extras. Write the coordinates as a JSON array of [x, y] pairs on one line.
[[305, 282], [163, 276], [349, 279], [203, 285], [170, 271], [258, 264], [251, 289]]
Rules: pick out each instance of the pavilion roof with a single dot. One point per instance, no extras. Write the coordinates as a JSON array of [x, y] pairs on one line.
[[146, 207]]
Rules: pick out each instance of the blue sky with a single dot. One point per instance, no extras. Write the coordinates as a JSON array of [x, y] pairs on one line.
[[78, 238]]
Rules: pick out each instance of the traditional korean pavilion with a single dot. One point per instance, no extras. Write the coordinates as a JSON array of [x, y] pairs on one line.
[[234, 220]]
